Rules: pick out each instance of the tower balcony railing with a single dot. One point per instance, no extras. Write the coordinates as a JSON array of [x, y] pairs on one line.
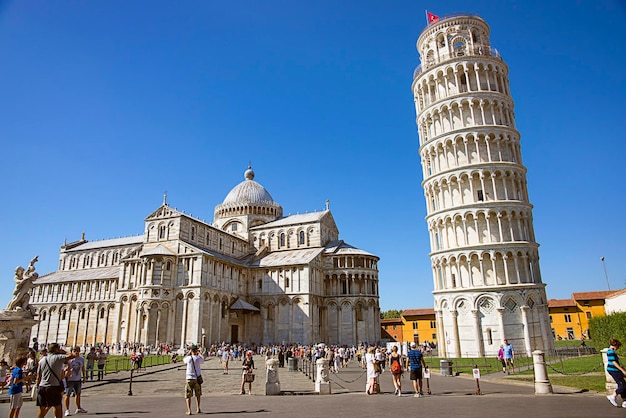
[[477, 50]]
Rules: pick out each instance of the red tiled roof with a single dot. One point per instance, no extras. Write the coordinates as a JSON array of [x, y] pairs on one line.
[[418, 312], [561, 303], [391, 321], [601, 294]]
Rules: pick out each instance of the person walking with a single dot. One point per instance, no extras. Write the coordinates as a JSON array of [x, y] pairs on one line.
[[4, 374], [30, 368], [77, 375], [193, 374], [501, 358], [248, 373], [395, 363], [102, 361], [617, 372], [225, 358], [416, 366], [509, 356], [372, 370], [92, 357], [49, 380]]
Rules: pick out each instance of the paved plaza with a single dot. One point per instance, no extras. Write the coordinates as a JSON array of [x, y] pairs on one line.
[[158, 392]]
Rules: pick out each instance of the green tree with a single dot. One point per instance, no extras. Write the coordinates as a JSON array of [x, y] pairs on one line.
[[390, 314]]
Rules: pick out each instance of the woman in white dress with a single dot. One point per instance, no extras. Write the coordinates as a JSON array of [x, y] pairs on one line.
[[372, 374]]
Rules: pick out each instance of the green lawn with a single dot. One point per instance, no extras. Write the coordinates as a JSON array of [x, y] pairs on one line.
[[584, 383], [122, 363], [584, 373]]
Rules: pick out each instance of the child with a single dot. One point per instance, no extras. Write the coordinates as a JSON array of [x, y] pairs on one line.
[[17, 387]]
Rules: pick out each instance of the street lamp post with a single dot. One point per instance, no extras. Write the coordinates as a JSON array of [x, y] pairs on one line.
[[605, 273]]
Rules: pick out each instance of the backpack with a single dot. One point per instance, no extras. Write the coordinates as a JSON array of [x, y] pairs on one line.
[[395, 365]]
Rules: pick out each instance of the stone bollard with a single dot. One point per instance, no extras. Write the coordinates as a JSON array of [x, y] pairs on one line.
[[609, 384], [322, 382], [272, 382], [542, 383]]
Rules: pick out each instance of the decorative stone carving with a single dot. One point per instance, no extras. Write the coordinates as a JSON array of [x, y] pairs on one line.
[[272, 381], [15, 327], [322, 382]]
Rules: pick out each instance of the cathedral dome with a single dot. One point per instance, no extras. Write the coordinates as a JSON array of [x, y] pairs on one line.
[[247, 199], [248, 192]]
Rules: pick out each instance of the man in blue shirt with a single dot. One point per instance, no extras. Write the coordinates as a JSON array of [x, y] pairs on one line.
[[509, 355], [416, 365]]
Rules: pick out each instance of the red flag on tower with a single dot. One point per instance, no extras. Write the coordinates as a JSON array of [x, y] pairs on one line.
[[431, 17]]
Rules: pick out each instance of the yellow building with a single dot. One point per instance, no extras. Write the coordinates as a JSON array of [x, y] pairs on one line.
[[569, 318], [419, 325]]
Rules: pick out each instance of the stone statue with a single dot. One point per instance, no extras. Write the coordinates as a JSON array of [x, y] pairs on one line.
[[23, 285]]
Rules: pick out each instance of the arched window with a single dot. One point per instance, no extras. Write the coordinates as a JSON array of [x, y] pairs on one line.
[[459, 47], [286, 282], [430, 57], [282, 240], [301, 240], [101, 312], [193, 233]]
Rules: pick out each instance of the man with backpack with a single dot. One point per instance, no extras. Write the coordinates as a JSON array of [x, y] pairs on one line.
[[49, 380]]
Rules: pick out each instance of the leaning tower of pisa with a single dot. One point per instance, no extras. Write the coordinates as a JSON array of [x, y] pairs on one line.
[[484, 257]]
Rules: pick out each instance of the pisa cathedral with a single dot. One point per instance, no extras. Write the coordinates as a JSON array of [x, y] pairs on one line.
[[484, 257], [253, 275]]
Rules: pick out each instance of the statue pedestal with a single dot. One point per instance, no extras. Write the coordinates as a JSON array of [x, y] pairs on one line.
[[15, 328], [322, 382], [272, 381]]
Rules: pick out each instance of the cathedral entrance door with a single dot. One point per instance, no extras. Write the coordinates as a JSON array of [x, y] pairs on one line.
[[234, 334]]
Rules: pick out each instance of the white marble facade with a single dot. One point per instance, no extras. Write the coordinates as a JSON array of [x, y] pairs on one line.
[[250, 276], [484, 256]]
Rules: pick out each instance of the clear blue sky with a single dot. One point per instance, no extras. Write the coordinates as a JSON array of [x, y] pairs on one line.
[[104, 105]]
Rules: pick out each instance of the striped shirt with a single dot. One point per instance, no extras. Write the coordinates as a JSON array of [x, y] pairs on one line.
[[611, 356]]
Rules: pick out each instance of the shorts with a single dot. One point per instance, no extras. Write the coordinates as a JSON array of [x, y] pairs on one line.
[[73, 386], [509, 361], [416, 374], [16, 401], [192, 387], [49, 396]]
